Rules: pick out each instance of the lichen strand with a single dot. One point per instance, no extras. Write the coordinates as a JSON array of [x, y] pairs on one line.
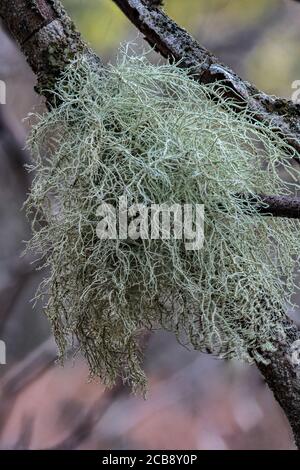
[[153, 134]]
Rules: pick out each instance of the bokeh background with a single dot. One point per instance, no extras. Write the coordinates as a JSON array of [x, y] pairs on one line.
[[194, 401]]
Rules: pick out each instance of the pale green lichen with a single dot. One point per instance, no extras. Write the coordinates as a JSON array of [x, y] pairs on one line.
[[152, 133]]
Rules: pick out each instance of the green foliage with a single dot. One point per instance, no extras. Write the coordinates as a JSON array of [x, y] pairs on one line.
[[213, 23], [219, 13], [274, 74], [100, 22], [103, 24], [152, 133]]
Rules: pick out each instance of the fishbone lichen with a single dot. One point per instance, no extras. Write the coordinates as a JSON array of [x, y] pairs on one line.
[[151, 133]]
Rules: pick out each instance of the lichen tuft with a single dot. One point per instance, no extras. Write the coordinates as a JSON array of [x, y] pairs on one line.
[[155, 135]]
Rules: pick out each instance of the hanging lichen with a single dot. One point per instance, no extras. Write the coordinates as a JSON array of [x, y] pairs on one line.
[[154, 135]]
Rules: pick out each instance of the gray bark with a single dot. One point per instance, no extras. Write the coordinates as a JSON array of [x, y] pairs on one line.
[[46, 36]]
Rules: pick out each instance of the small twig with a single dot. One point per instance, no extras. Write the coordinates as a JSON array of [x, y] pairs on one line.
[[276, 206]]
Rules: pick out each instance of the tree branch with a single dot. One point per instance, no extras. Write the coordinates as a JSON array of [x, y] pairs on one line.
[[46, 36], [282, 375], [174, 43], [277, 206]]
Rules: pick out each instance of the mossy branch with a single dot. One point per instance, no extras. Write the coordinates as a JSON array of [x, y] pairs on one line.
[[46, 36]]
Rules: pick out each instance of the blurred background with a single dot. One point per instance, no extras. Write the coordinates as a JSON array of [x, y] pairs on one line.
[[194, 401]]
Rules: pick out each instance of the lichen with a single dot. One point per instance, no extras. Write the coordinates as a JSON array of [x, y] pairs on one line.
[[155, 135]]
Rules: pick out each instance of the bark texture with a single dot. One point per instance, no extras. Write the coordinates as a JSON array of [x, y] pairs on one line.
[[282, 375], [46, 36]]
